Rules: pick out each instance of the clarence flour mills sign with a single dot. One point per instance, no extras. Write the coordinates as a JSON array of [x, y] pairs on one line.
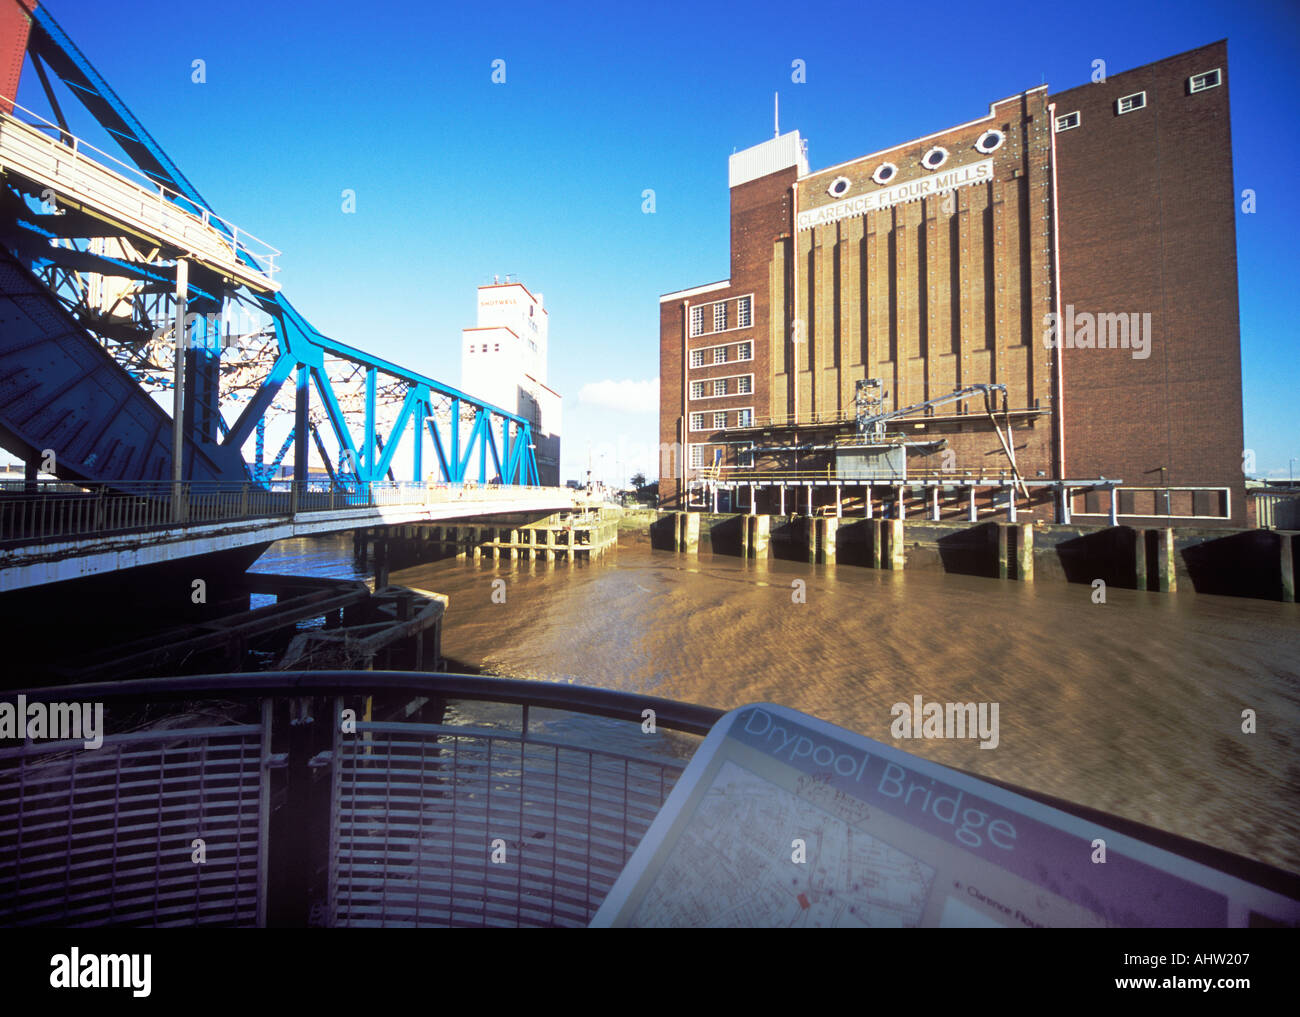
[[912, 190]]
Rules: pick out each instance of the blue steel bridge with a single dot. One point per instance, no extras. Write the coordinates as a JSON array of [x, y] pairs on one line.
[[123, 294]]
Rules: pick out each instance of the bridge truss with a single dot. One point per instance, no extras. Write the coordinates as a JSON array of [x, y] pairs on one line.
[[67, 213]]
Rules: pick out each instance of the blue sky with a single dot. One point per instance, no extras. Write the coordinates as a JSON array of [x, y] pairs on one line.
[[457, 178]]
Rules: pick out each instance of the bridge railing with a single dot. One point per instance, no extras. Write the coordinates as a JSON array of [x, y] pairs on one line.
[[43, 151], [269, 799], [56, 510]]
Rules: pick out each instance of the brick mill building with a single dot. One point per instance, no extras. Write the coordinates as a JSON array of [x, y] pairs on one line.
[[1035, 311]]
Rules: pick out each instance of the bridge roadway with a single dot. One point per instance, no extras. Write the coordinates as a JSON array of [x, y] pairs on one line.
[[57, 537]]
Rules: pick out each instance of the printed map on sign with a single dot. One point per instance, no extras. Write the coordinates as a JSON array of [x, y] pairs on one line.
[[783, 820], [736, 854]]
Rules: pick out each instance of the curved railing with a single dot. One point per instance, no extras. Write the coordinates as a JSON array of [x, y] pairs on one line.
[[333, 798]]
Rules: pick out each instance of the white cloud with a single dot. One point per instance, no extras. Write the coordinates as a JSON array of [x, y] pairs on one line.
[[629, 396]]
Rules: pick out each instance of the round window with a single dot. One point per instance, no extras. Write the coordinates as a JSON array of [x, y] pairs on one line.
[[990, 141], [885, 172], [934, 158], [839, 187]]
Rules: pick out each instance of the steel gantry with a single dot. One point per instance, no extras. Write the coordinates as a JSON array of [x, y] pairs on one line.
[[136, 257]]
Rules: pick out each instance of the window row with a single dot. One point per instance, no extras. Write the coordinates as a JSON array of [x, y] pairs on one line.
[[473, 348], [703, 456], [717, 313], [720, 355], [719, 420], [1138, 100], [742, 384]]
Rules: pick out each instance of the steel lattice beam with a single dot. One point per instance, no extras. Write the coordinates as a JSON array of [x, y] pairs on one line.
[[299, 346]]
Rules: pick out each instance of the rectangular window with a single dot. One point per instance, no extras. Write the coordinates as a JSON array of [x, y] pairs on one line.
[[1128, 103], [720, 316], [697, 421], [720, 355], [697, 358], [697, 390], [719, 421], [697, 320], [1199, 83], [745, 351], [1068, 121], [746, 384], [745, 455], [720, 387], [744, 312], [697, 456], [745, 418], [497, 348]]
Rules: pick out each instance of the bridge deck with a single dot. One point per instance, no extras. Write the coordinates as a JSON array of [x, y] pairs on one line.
[[93, 548]]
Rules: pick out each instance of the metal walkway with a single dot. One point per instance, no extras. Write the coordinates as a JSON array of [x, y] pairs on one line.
[[84, 177]]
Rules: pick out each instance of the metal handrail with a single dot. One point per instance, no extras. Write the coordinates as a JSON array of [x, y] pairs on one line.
[[615, 704], [749, 474], [239, 239], [321, 825], [63, 510]]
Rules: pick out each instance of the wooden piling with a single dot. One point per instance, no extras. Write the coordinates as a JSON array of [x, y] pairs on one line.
[[897, 545], [1168, 580], [1025, 552]]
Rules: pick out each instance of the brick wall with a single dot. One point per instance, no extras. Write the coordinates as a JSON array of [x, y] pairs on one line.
[[933, 294], [760, 213], [1147, 213]]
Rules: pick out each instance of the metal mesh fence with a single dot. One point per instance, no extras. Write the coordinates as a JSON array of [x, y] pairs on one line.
[[107, 836], [438, 825]]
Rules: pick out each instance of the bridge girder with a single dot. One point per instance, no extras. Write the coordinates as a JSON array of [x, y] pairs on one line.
[[427, 411]]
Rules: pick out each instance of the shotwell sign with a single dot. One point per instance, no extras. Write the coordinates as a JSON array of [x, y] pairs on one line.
[[912, 190]]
